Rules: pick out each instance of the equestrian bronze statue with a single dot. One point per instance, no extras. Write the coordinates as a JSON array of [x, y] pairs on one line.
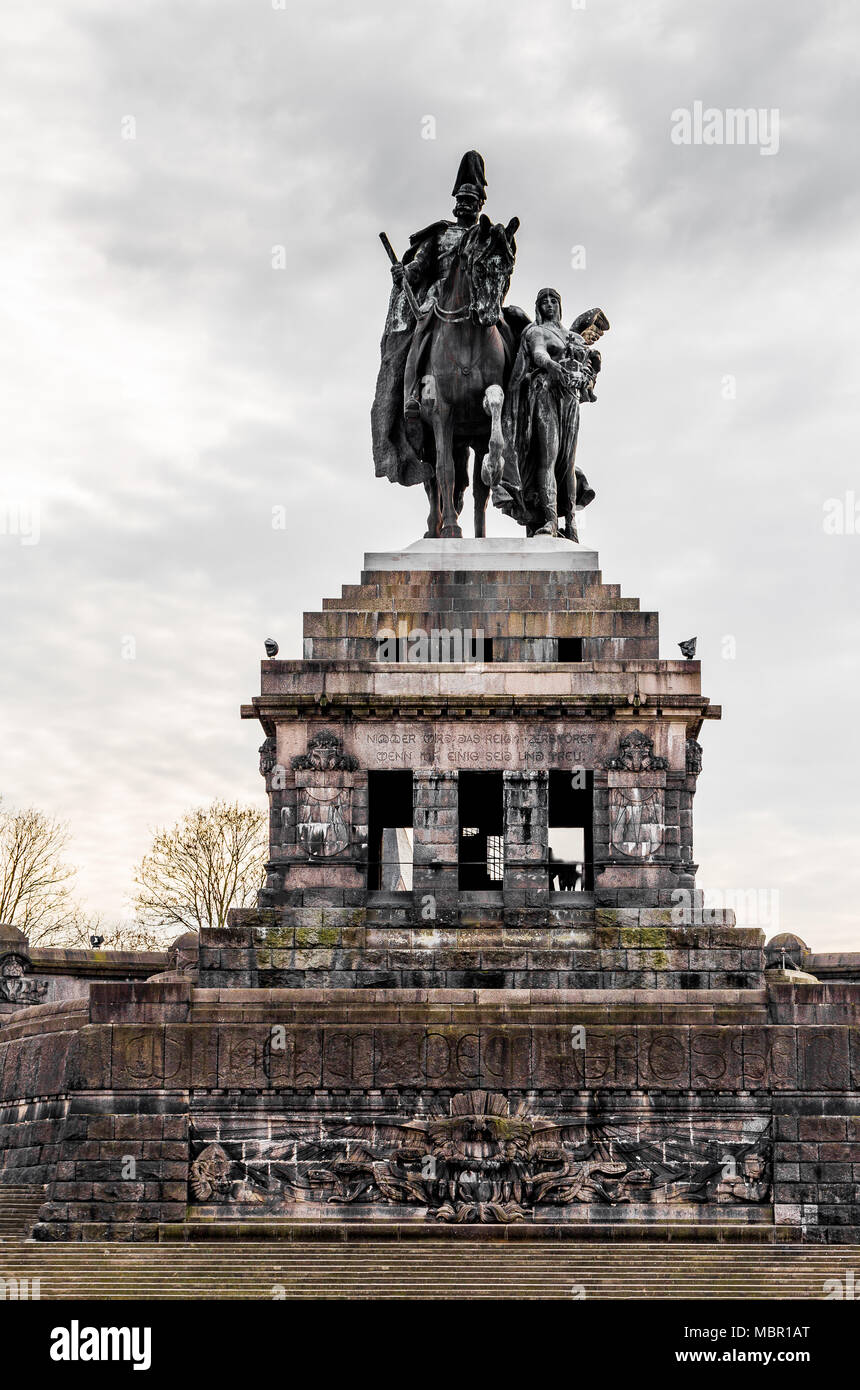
[[465, 376]]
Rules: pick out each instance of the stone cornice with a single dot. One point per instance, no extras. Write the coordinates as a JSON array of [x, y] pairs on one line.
[[270, 708]]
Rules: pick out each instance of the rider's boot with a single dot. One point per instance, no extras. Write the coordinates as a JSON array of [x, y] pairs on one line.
[[414, 427]]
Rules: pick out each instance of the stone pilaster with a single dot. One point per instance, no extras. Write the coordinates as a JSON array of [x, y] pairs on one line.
[[526, 803], [435, 824]]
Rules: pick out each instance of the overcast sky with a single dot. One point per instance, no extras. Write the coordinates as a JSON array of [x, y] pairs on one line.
[[164, 387]]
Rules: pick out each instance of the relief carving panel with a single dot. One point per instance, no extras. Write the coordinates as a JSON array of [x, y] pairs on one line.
[[482, 1158]]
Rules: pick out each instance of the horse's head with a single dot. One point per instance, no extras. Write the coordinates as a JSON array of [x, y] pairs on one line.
[[489, 256]]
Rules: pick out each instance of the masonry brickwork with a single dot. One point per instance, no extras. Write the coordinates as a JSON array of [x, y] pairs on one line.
[[475, 1035]]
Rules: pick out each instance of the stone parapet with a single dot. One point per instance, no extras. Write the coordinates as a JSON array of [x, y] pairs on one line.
[[167, 1104]]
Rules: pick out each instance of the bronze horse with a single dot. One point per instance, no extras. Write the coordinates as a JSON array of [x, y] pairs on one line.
[[465, 367]]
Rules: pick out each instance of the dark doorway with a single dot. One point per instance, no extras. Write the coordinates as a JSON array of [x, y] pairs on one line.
[[482, 828], [571, 841], [389, 843]]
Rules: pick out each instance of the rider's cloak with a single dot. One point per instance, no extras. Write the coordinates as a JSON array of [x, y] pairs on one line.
[[393, 456]]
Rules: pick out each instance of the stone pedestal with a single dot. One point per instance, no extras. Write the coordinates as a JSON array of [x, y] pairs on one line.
[[468, 1040], [647, 1110]]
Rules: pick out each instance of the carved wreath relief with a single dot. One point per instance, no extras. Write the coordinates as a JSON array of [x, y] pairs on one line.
[[483, 1162]]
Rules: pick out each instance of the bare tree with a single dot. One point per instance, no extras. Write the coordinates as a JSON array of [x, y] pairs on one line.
[[132, 936], [81, 929], [211, 860], [34, 879]]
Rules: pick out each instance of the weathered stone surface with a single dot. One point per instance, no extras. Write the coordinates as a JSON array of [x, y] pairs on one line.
[[615, 1051]]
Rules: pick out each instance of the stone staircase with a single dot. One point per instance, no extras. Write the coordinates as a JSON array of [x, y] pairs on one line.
[[19, 1207], [427, 1268]]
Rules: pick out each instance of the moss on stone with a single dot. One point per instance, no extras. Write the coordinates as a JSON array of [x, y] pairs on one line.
[[646, 938], [278, 936], [317, 936]]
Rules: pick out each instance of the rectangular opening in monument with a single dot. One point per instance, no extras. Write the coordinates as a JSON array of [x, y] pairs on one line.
[[571, 802], [389, 847], [450, 645], [570, 649], [480, 857]]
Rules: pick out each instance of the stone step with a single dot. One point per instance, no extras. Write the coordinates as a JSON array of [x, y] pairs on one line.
[[637, 1234], [484, 598], [497, 622], [301, 1272], [432, 1267], [19, 1208]]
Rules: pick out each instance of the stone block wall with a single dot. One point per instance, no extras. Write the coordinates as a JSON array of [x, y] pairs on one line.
[[526, 880], [122, 1167], [166, 1102], [30, 1141], [817, 1172], [466, 948]]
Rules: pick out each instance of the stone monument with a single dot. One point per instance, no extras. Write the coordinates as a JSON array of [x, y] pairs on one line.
[[481, 987]]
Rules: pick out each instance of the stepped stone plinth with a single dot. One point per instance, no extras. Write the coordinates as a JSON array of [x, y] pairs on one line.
[[481, 988], [558, 722]]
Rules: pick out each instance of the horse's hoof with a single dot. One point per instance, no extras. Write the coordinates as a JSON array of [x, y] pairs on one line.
[[451, 533]]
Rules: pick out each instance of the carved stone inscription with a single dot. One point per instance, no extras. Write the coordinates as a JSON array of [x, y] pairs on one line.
[[448, 744], [442, 1056], [488, 745]]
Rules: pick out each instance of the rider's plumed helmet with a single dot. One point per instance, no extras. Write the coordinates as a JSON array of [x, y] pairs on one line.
[[471, 177]]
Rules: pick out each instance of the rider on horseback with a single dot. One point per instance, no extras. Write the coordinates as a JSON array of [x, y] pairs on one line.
[[426, 266], [397, 432], [468, 382]]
